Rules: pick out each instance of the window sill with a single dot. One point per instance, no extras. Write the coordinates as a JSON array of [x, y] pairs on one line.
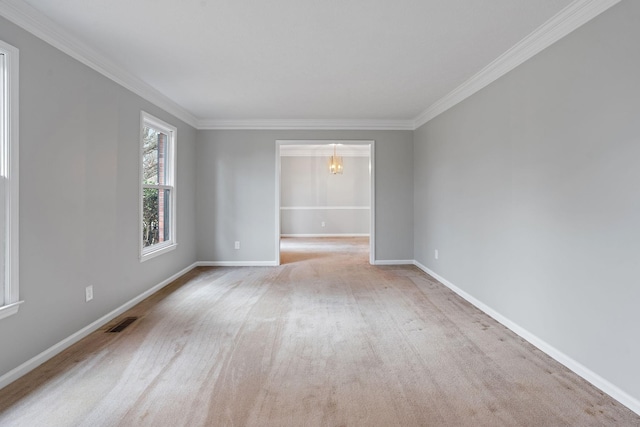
[[156, 251], [9, 309]]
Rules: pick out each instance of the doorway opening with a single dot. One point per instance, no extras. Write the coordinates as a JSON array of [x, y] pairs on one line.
[[318, 205]]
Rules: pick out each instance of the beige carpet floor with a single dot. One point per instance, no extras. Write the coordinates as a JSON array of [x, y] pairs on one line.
[[323, 340]]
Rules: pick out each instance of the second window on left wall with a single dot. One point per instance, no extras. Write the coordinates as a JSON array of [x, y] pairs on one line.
[[158, 194]]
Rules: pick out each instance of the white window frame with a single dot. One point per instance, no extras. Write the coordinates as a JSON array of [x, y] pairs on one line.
[[153, 251], [9, 171]]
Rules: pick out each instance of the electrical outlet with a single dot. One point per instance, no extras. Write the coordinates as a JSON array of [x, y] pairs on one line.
[[88, 293], [435, 254], [237, 245], [322, 224]]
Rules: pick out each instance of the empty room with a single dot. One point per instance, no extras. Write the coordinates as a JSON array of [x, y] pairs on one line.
[[299, 213]]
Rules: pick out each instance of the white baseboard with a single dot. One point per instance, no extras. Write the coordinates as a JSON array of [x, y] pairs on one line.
[[590, 376], [326, 235], [236, 264], [38, 360], [393, 262]]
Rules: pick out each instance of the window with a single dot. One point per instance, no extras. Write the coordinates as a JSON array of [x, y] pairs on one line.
[[9, 300], [158, 194]]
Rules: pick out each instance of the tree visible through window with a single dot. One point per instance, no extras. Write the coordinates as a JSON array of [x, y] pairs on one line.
[[158, 192]]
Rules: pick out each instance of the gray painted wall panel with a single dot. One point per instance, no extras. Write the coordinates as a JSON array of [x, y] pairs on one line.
[[79, 136], [337, 221], [236, 191], [529, 190]]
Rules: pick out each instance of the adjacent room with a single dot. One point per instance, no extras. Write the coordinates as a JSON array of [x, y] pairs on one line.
[[306, 213], [325, 191]]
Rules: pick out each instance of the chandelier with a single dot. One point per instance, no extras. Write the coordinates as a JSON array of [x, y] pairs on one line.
[[335, 163]]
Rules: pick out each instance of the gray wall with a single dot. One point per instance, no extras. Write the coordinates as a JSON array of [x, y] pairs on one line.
[[79, 154], [236, 191], [530, 191], [306, 182]]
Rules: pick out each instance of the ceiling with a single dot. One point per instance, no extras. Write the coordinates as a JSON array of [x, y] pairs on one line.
[[217, 61]]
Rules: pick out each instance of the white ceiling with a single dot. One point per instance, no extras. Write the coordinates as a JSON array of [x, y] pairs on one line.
[[244, 60]]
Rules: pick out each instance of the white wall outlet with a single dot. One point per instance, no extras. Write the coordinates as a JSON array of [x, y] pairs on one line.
[[237, 245], [88, 293], [322, 224], [435, 254]]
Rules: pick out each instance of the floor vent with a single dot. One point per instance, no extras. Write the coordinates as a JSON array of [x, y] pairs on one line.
[[122, 325]]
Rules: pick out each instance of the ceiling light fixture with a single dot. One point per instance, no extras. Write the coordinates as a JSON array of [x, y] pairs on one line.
[[335, 163]]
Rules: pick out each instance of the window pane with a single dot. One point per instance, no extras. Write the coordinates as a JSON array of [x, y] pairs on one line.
[[156, 207], [150, 156], [157, 182], [154, 157]]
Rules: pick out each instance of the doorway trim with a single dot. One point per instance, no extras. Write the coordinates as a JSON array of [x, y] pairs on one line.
[[372, 180]]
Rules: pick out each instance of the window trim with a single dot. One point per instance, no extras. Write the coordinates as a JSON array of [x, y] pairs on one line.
[[9, 168], [150, 252]]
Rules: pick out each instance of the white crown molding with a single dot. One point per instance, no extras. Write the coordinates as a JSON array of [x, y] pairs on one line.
[[306, 124], [567, 20], [25, 16]]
